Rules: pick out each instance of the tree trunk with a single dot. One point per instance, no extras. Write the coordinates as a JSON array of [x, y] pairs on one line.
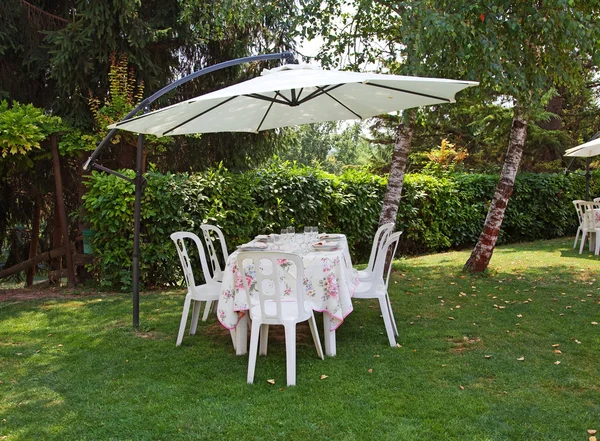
[[482, 253], [60, 208], [393, 192], [35, 237]]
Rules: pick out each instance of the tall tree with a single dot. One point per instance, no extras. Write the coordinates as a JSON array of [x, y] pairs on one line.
[[517, 50]]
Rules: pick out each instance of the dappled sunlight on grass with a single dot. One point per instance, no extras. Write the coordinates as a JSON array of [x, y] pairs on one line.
[[477, 359]]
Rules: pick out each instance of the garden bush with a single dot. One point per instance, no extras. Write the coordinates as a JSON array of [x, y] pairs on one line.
[[436, 213]]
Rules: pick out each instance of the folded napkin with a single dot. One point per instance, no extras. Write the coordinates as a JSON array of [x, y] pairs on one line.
[[263, 237], [325, 244], [330, 236]]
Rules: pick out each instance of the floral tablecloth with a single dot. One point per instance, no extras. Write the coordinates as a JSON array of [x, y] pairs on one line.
[[329, 282]]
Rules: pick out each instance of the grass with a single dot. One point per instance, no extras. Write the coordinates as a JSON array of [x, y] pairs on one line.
[[73, 369]]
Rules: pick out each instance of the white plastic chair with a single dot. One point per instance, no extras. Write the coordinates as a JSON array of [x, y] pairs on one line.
[[592, 226], [271, 304], [376, 288], [579, 209], [207, 292], [209, 232], [378, 241], [596, 199]]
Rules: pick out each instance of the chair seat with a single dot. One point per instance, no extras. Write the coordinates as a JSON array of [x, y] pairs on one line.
[[289, 312], [370, 290], [206, 291], [365, 274]]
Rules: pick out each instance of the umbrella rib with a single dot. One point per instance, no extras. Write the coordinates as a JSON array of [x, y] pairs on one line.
[[264, 117], [326, 92], [317, 93], [271, 100], [200, 114], [409, 92]]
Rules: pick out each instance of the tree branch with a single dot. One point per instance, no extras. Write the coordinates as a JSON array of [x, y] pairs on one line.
[[41, 11]]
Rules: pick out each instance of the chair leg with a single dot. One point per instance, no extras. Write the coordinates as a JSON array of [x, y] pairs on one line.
[[387, 320], [206, 310], [597, 250], [253, 350], [290, 352], [312, 323], [576, 236], [264, 339], [392, 315], [195, 314], [583, 238], [186, 310]]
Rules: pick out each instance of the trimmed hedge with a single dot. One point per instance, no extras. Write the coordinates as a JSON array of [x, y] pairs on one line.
[[435, 213]]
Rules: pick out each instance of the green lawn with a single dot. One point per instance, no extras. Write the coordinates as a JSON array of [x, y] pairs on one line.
[[73, 369]]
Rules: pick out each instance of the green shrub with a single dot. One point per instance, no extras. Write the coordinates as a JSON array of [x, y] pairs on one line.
[[436, 213]]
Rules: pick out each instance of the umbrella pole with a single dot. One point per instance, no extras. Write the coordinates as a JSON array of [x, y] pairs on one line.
[[587, 178], [136, 231]]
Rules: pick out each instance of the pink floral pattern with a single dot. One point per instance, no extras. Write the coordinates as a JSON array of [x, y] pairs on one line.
[[329, 282]]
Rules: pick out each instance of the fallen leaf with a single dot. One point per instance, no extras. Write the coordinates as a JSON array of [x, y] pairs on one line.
[[451, 318], [487, 356], [592, 438], [370, 371], [521, 359], [557, 351], [398, 345], [594, 323], [271, 381], [592, 431], [323, 377], [578, 342], [556, 345], [462, 387], [557, 362], [519, 315]]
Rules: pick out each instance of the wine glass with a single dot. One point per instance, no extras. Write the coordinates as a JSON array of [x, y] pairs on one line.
[[279, 240]]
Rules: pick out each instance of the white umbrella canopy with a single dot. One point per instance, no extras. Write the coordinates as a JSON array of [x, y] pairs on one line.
[[587, 150], [590, 148], [292, 95]]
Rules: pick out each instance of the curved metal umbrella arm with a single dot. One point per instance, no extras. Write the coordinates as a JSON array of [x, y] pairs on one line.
[[288, 56]]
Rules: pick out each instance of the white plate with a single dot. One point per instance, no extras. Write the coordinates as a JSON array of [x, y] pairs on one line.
[[258, 246]]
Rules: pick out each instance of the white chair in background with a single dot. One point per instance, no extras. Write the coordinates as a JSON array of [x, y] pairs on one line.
[[207, 292], [377, 286], [592, 226], [212, 233], [274, 304], [579, 209], [596, 199], [378, 241]]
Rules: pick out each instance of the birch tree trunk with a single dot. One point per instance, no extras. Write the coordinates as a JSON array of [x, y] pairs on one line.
[[393, 192], [482, 253]]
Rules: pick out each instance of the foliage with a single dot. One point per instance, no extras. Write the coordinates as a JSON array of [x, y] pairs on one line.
[[436, 213], [23, 127], [446, 158], [73, 369]]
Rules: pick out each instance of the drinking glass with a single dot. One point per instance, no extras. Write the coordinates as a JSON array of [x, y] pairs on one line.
[[279, 240]]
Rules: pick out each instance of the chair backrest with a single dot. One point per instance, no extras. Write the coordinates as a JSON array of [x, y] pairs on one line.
[[186, 265], [209, 232], [383, 265], [274, 278], [591, 215], [579, 207], [596, 199], [378, 241]]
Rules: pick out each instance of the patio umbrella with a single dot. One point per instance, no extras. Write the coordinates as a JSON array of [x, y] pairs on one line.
[[587, 150], [292, 95], [286, 96]]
